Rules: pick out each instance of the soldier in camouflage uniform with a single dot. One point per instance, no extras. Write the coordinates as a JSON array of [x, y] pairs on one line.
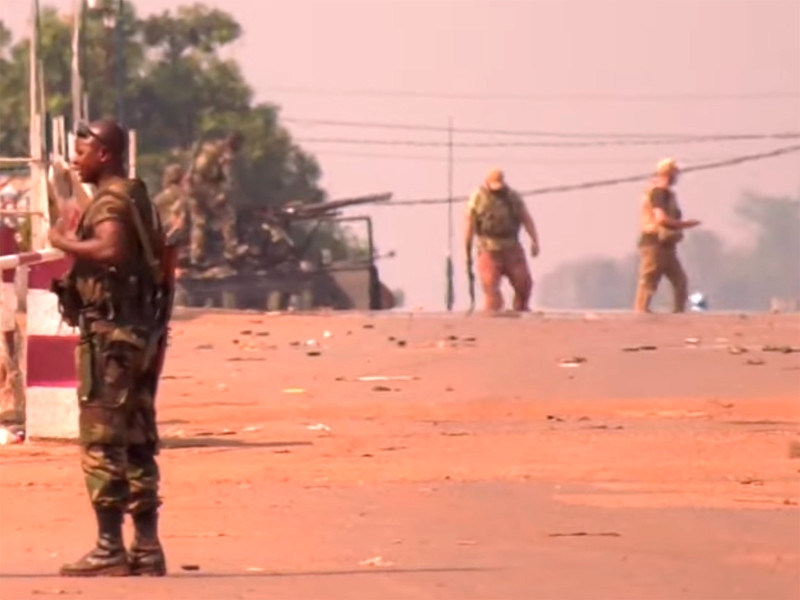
[[110, 295], [171, 202], [210, 185], [495, 214]]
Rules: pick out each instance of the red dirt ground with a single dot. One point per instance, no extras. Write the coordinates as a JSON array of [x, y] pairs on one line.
[[494, 472]]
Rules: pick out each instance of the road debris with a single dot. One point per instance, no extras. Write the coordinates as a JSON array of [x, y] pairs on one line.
[[318, 427], [294, 391], [376, 561], [388, 378], [692, 341], [381, 388], [586, 534], [754, 361], [639, 348], [573, 361], [751, 481], [11, 435], [737, 350], [190, 567], [313, 353], [781, 349]]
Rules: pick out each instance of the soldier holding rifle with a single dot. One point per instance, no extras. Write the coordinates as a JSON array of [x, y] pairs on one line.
[[119, 294]]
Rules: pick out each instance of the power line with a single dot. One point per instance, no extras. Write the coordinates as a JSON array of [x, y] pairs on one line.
[[432, 158], [728, 162], [523, 144], [536, 133], [563, 97]]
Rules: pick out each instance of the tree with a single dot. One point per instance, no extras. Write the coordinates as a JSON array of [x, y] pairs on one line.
[[740, 278], [176, 90]]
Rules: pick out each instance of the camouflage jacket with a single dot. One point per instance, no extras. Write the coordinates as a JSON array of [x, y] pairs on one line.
[[212, 168], [121, 294], [171, 204]]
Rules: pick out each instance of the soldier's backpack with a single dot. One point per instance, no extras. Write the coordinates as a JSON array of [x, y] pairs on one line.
[[496, 216]]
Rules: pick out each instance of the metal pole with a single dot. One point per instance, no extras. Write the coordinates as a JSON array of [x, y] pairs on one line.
[[449, 267], [76, 83], [119, 62]]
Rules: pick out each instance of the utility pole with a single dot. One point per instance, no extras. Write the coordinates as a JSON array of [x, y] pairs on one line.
[[75, 67], [119, 61], [450, 296]]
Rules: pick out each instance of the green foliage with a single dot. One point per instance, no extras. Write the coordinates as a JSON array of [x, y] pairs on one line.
[[176, 89], [740, 278]]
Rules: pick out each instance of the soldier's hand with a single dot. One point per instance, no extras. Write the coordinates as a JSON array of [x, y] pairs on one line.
[[534, 249], [692, 223]]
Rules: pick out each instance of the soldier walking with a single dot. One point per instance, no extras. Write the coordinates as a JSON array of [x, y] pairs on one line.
[[115, 294], [495, 214], [662, 226]]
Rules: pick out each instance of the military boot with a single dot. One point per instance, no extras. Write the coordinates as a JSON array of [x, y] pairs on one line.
[[146, 556], [108, 559]]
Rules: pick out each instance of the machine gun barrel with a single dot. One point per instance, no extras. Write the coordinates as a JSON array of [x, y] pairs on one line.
[[312, 211]]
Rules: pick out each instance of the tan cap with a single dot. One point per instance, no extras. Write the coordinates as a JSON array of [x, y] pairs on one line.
[[495, 180], [666, 166]]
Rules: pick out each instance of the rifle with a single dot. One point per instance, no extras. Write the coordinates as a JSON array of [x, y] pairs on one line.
[[169, 264]]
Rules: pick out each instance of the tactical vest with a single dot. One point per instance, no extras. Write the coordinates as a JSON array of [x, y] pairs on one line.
[[126, 293], [647, 220], [496, 216]]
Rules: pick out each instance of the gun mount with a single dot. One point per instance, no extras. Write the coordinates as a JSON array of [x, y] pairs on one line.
[[301, 256]]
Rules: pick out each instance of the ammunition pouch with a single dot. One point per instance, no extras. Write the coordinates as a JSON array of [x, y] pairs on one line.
[[69, 300]]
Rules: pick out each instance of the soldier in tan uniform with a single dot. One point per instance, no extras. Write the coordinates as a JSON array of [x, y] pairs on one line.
[[662, 226], [495, 214]]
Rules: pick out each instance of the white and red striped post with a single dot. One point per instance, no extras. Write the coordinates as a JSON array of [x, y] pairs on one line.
[[51, 407]]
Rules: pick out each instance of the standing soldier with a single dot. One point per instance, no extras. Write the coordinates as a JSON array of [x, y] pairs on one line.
[[662, 227], [209, 197], [117, 293], [171, 201], [495, 214], [173, 206]]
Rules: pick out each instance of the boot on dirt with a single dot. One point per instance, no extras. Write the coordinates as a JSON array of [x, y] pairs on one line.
[[146, 556], [108, 559]]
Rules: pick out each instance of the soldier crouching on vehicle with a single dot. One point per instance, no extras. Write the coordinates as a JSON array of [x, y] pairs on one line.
[[117, 295], [495, 214], [210, 184]]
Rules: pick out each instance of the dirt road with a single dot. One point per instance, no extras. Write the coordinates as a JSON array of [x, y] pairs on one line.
[[590, 457]]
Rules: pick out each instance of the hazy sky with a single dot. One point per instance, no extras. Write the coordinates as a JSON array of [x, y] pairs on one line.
[[627, 66]]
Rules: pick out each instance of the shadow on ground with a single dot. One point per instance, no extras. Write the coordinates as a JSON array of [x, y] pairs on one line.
[[215, 442]]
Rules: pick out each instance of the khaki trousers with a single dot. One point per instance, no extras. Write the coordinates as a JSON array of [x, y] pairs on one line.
[[655, 261]]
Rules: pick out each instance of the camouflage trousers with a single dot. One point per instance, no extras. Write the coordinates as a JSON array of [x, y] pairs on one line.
[[205, 208], [509, 262], [657, 261], [118, 434]]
